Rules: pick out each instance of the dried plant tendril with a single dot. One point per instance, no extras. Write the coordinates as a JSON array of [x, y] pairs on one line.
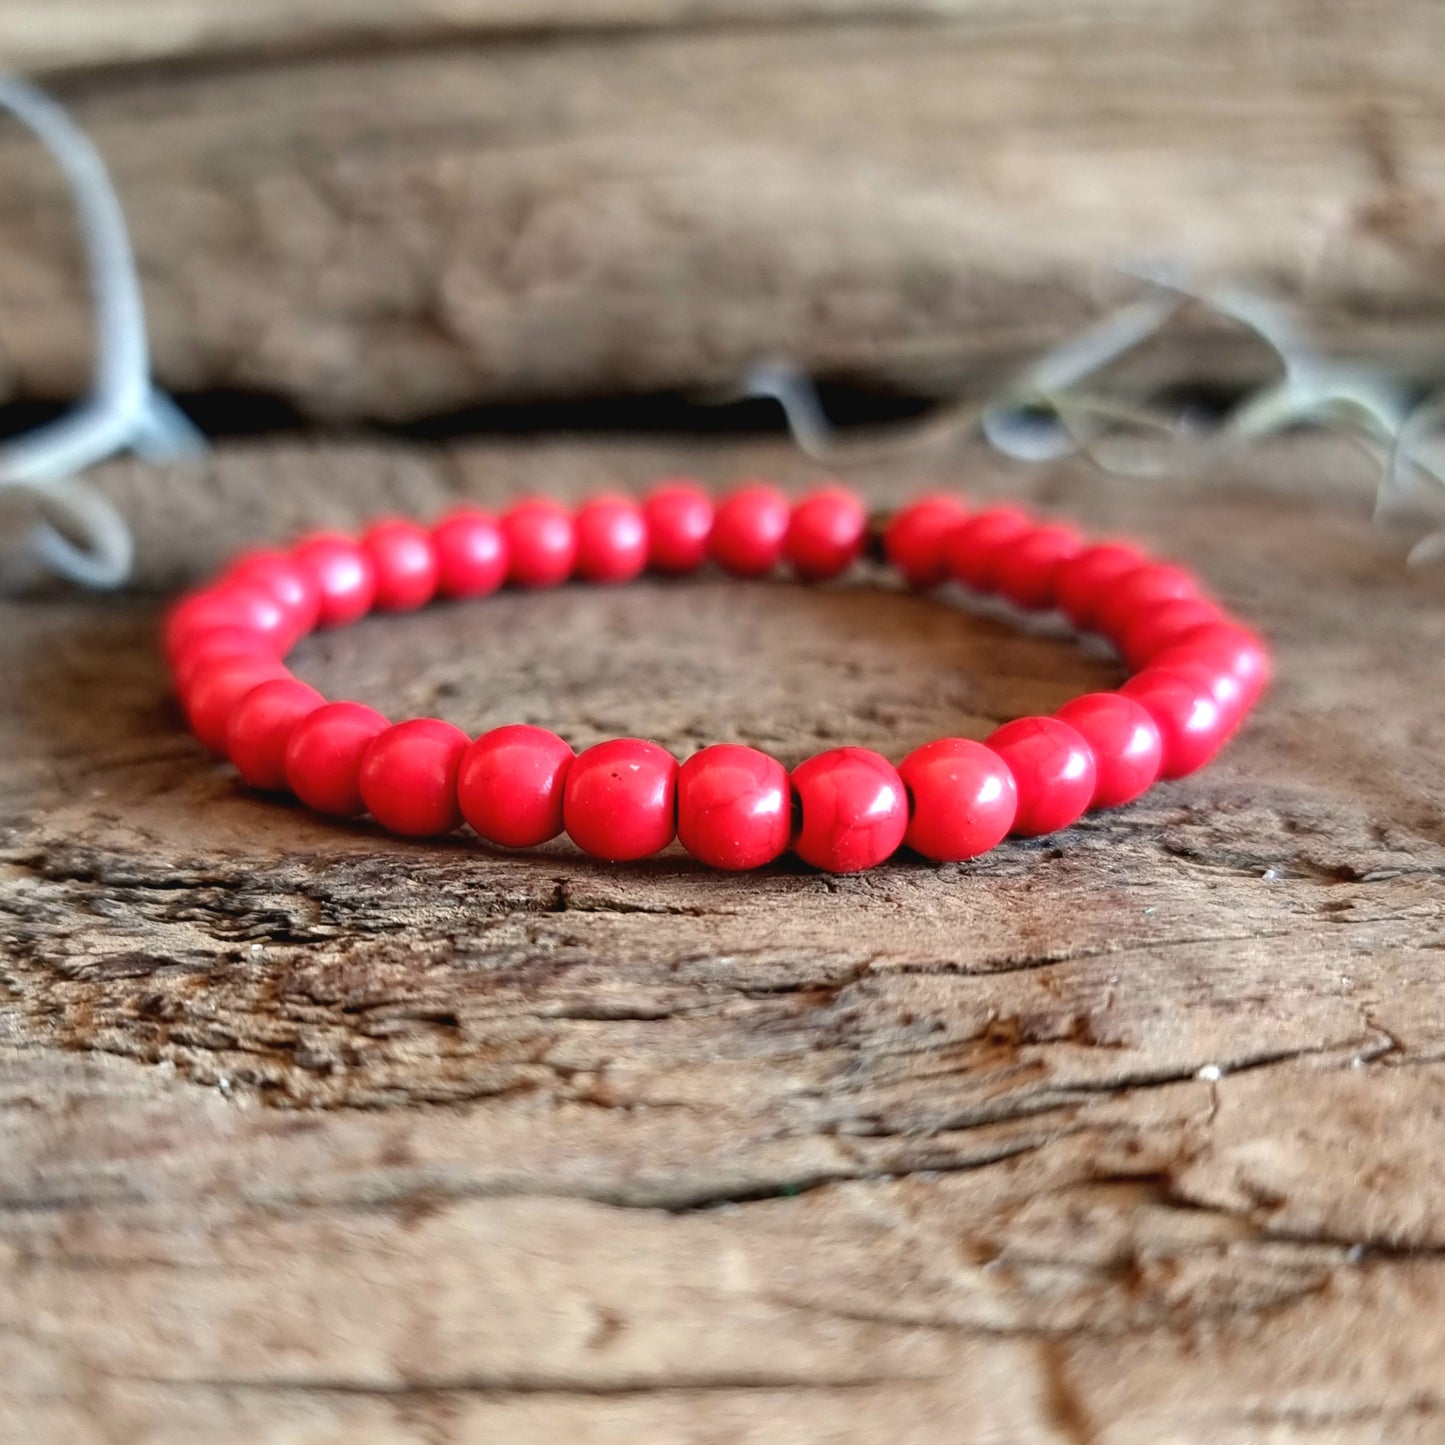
[[81, 535], [1058, 406]]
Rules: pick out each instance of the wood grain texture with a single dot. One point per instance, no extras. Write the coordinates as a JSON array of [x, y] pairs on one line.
[[906, 199], [58, 36], [1128, 1135]]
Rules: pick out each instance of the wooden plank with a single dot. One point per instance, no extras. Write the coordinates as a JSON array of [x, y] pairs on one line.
[[921, 204], [1128, 1134], [54, 36]]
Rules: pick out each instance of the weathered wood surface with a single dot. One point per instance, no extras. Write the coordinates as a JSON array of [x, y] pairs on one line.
[[920, 196], [44, 36], [1127, 1136]]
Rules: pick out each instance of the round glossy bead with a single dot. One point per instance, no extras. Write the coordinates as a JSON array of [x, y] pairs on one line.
[[1229, 647], [1213, 676], [1083, 581], [1192, 724], [405, 564], [963, 796], [973, 550], [261, 725], [611, 540], [916, 539], [734, 807], [471, 553], [748, 530], [323, 756], [1152, 629], [541, 542], [679, 526], [853, 809], [408, 777], [1124, 740], [620, 799], [216, 689], [1053, 768], [231, 606], [289, 583], [1141, 592], [218, 645], [344, 576], [510, 785], [1025, 569], [825, 534]]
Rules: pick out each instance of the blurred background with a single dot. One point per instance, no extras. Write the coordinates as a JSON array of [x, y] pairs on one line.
[[520, 214]]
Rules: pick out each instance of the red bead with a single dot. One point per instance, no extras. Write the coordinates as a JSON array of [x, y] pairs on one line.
[[1025, 569], [231, 605], [408, 777], [1151, 629], [510, 785], [471, 553], [964, 799], [1053, 768], [825, 534], [323, 757], [853, 809], [973, 550], [1192, 724], [916, 539], [542, 542], [405, 564], [734, 807], [1143, 591], [343, 574], [1124, 740], [217, 645], [679, 526], [749, 529], [216, 689], [261, 725], [1086, 579], [1213, 676], [611, 540], [1230, 648], [619, 800], [289, 583]]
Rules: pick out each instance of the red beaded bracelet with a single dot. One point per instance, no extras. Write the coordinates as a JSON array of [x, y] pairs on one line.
[[730, 806]]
